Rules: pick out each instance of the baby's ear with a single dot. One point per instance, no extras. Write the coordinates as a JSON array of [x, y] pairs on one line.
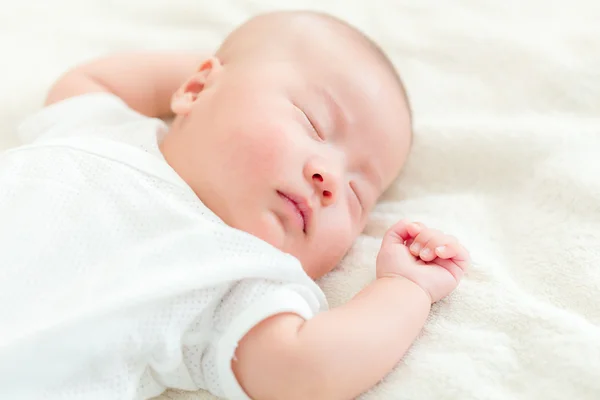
[[186, 95]]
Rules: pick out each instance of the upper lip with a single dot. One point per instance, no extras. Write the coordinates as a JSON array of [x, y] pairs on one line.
[[303, 207]]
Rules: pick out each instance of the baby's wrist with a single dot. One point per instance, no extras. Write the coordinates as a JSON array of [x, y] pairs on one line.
[[409, 281]]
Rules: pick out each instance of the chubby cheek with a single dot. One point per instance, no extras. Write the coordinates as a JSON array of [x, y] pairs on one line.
[[259, 151], [259, 160], [330, 246]]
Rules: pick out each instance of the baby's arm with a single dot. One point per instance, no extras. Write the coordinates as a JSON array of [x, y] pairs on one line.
[[343, 352], [145, 81], [338, 354]]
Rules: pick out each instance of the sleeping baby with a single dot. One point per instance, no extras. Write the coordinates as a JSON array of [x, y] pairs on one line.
[[140, 256]]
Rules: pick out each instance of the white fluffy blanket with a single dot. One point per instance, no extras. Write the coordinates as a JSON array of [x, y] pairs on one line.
[[506, 97]]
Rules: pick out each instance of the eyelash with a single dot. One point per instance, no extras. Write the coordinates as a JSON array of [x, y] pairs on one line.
[[312, 125]]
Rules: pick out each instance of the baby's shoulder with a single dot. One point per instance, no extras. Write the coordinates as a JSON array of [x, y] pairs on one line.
[[93, 114]]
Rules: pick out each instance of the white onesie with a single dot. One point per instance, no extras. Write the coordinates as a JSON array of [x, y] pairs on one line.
[[115, 280]]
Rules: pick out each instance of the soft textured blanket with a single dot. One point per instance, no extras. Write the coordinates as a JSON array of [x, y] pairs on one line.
[[506, 96]]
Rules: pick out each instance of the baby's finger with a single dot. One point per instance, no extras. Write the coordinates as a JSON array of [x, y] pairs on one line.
[[446, 247], [421, 240], [429, 250], [456, 270], [398, 233], [454, 252], [415, 228]]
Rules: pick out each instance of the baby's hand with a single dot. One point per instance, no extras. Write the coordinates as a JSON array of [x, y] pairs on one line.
[[428, 257]]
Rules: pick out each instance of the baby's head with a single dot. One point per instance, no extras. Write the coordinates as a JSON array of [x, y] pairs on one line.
[[291, 132]]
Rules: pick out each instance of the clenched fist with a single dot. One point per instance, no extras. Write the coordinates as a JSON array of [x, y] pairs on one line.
[[428, 257]]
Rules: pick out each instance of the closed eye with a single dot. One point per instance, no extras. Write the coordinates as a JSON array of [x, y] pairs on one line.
[[313, 126]]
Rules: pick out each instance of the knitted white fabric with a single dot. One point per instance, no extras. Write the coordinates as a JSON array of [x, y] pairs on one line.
[[116, 281]]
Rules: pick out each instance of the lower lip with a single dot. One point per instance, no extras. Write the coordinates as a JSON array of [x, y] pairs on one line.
[[298, 217]]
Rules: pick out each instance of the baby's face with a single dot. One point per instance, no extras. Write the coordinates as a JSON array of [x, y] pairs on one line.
[[295, 151]]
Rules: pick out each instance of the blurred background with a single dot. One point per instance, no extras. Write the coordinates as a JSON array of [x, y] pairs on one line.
[[456, 56]]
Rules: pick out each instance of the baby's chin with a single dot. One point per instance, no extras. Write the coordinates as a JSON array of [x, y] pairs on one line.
[[268, 227]]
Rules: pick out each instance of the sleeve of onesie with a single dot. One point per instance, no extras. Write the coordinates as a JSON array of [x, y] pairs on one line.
[[71, 116], [248, 303]]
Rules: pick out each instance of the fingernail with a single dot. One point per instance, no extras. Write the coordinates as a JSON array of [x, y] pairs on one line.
[[425, 252], [440, 249], [415, 247]]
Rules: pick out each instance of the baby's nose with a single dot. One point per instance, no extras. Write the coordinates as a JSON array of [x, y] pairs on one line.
[[326, 186]]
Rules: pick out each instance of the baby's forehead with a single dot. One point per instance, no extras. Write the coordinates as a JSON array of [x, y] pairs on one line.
[[299, 31], [341, 65], [346, 46]]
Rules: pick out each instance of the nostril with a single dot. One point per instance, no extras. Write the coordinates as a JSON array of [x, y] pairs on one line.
[[318, 177], [326, 193]]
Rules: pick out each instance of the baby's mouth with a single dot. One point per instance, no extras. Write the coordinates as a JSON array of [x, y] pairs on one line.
[[301, 208]]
